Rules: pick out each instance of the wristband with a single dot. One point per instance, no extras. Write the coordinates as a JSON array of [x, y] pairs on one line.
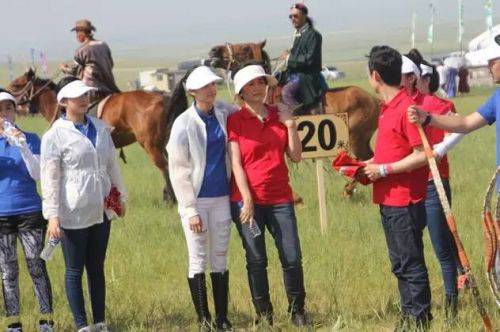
[[427, 120], [388, 169], [382, 171]]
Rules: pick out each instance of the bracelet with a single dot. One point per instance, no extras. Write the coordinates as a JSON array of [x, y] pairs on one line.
[[382, 170], [427, 120], [388, 169]]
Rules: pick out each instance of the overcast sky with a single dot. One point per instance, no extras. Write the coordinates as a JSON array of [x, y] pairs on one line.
[[129, 25]]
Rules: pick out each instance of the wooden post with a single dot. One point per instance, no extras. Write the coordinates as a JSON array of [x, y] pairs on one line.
[[320, 179]]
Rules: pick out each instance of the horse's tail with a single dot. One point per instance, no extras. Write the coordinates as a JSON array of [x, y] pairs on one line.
[[173, 106]]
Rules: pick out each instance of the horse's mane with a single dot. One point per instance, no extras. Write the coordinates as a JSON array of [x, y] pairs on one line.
[[42, 81]]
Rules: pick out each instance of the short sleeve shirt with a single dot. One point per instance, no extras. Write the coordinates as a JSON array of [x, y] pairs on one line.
[[262, 146]]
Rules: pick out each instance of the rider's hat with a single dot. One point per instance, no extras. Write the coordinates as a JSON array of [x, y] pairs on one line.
[[83, 25]]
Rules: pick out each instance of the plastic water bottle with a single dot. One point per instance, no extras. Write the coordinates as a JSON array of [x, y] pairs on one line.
[[9, 130], [253, 227], [49, 249]]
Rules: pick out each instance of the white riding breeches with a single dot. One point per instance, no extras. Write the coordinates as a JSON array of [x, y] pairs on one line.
[[212, 243]]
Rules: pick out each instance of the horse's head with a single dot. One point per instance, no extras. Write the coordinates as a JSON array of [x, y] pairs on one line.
[[232, 56]]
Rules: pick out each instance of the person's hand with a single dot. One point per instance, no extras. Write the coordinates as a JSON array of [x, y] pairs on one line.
[[286, 117], [416, 115], [369, 161], [124, 209], [1, 125], [284, 55], [195, 224], [246, 214], [62, 66], [372, 171], [53, 229]]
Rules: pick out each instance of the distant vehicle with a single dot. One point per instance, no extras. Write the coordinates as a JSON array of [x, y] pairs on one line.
[[332, 73]]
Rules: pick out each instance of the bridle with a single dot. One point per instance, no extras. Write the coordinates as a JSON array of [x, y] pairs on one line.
[[28, 93]]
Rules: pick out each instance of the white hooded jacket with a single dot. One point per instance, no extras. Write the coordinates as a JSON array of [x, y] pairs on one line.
[[76, 176], [187, 155]]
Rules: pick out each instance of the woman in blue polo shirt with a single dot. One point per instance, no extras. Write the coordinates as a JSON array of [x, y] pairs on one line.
[[21, 216], [199, 170]]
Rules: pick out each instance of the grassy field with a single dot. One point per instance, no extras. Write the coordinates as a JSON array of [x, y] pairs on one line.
[[347, 272]]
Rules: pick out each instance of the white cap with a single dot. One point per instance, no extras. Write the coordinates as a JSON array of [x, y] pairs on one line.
[[426, 70], [249, 73], [409, 67], [493, 51], [7, 96], [73, 89], [201, 77]]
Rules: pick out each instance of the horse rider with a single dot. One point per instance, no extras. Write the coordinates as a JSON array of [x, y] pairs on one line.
[[304, 82], [93, 63]]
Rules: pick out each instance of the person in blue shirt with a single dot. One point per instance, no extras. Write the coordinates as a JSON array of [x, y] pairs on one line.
[[21, 217], [200, 172], [487, 114]]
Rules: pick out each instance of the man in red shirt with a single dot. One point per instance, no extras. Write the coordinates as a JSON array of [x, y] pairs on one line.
[[400, 185]]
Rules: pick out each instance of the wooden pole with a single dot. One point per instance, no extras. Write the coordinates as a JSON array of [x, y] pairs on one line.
[[320, 179], [450, 219]]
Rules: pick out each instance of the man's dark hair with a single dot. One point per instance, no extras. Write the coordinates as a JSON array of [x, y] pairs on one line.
[[387, 62], [305, 11]]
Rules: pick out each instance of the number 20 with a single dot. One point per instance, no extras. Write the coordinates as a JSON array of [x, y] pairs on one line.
[[322, 135]]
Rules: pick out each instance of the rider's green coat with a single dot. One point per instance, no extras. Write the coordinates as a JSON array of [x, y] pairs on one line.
[[305, 60]]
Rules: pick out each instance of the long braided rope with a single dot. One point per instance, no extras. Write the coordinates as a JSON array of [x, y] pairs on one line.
[[491, 231], [450, 219]]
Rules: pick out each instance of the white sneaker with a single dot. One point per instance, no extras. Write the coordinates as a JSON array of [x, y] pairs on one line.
[[100, 327], [85, 329], [45, 327], [14, 329]]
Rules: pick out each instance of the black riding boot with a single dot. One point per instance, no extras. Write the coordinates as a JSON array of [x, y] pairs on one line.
[[451, 308], [264, 310], [198, 290], [220, 287]]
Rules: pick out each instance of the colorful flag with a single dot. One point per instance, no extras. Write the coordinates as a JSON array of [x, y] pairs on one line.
[[32, 55], [11, 68], [461, 29], [413, 28], [488, 6], [430, 33], [44, 64]]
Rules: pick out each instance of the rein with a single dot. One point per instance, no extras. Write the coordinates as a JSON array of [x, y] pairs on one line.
[[491, 232]]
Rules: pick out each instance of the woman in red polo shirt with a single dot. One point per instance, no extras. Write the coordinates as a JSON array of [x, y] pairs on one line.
[[440, 235], [259, 137]]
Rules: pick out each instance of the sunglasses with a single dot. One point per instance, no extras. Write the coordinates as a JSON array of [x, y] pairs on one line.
[[292, 16]]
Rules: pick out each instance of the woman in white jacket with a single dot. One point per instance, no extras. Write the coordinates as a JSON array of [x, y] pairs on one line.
[[200, 172], [78, 170]]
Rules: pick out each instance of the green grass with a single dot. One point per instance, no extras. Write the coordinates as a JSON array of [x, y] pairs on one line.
[[347, 272]]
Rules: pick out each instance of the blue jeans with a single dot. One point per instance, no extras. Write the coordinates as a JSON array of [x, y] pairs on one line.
[[441, 237], [291, 91], [86, 248], [403, 228], [281, 222]]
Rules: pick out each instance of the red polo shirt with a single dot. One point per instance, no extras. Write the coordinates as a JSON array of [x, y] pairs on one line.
[[262, 147], [396, 139], [436, 105]]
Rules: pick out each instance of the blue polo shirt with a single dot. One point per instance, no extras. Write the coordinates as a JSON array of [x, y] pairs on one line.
[[215, 183], [490, 111], [18, 193], [87, 129]]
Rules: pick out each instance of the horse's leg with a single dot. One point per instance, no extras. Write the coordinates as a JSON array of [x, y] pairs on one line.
[[157, 156]]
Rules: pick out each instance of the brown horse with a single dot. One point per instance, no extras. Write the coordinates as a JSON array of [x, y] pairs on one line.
[[362, 108], [139, 116]]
